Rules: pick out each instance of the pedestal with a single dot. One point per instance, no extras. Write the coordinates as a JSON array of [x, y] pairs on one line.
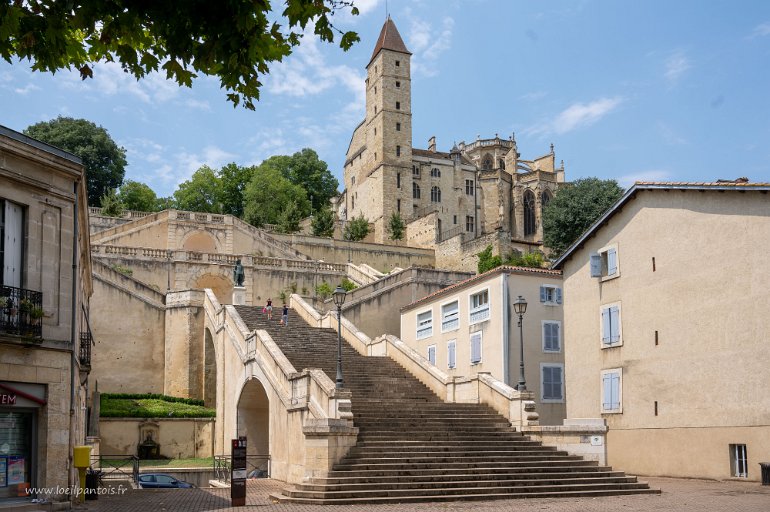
[[239, 295]]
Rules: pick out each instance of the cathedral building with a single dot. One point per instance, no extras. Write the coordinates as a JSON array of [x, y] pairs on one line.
[[475, 189]]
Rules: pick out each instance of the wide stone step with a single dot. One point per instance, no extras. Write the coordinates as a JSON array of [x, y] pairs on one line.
[[510, 474], [489, 469], [447, 464], [358, 453]]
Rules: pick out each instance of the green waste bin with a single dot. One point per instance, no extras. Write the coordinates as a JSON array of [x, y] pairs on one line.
[[765, 472]]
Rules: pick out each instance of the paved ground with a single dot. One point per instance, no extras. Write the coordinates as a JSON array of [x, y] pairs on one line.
[[677, 495]]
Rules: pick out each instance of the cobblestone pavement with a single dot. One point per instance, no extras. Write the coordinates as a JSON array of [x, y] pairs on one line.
[[677, 495]]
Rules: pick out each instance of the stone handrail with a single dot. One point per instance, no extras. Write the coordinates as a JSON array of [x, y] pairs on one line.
[[517, 407], [127, 214], [128, 227], [360, 276], [279, 245]]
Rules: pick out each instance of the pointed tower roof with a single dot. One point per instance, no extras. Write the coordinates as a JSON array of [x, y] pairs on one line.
[[389, 39]]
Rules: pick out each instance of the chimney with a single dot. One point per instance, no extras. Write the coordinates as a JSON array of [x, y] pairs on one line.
[[432, 144]]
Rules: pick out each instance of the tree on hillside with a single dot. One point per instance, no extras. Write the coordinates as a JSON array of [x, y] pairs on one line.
[[396, 226], [514, 259], [268, 194], [356, 229], [574, 208], [138, 196], [322, 222], [289, 218], [235, 41], [305, 169], [201, 193], [111, 204], [103, 160], [233, 179]]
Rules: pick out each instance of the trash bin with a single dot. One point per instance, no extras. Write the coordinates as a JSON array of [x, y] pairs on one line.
[[765, 472], [92, 484]]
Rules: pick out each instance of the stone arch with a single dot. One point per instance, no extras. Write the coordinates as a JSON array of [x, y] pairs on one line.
[[209, 370], [200, 241], [221, 286], [253, 418], [487, 163]]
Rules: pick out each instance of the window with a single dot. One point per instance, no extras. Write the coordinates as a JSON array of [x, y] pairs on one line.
[[398, 84], [432, 354], [398, 150], [451, 351], [552, 388], [435, 172], [469, 187], [375, 89], [450, 320], [435, 195], [398, 63], [375, 110], [353, 180], [476, 347], [550, 295], [611, 332], [415, 171], [398, 205], [425, 325], [454, 219], [398, 127], [501, 163], [612, 391], [398, 105], [375, 130], [479, 306], [469, 224], [11, 243], [352, 202], [739, 461], [398, 180], [545, 200], [415, 191], [551, 336], [486, 164], [529, 213], [605, 263]]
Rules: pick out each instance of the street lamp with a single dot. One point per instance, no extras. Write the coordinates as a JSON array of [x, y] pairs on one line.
[[520, 307], [339, 300]]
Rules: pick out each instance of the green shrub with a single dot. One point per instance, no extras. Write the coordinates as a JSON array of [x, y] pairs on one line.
[[150, 405]]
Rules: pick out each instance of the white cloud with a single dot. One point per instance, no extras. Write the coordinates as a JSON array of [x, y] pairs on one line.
[[198, 104], [761, 30], [427, 44], [26, 89], [627, 180], [676, 66], [577, 115]]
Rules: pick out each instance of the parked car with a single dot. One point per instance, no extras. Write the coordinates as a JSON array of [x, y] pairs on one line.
[[162, 481]]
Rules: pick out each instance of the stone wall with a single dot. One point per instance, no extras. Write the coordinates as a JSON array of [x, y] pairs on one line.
[[422, 232], [178, 437]]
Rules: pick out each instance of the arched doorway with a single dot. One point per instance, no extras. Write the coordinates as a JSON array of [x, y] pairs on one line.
[[209, 370], [254, 417], [220, 285]]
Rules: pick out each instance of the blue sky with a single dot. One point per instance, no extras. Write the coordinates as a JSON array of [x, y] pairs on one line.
[[650, 90]]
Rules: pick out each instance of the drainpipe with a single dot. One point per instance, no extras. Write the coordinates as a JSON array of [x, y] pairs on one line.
[[73, 329], [506, 329]]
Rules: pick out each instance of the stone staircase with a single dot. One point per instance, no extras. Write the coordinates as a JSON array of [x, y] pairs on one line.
[[413, 447]]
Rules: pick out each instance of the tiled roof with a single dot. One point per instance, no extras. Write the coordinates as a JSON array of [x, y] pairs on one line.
[[481, 277], [438, 155], [389, 39], [739, 185]]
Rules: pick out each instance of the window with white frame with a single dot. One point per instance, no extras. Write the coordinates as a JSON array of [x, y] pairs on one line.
[[604, 264], [479, 303], [451, 354], [612, 391], [550, 294], [425, 325], [11, 243], [552, 380], [611, 332], [450, 320], [739, 461], [551, 336], [476, 347], [432, 354]]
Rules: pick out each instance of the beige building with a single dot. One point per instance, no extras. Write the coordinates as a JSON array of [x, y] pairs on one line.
[[476, 188], [45, 341], [667, 323], [471, 327]]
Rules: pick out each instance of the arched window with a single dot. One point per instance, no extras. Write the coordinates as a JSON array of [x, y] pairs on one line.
[[529, 213], [415, 191], [435, 172], [502, 164], [435, 195], [545, 199], [486, 164], [415, 171]]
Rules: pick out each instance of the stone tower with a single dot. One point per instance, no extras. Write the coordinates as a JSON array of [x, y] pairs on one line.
[[379, 159]]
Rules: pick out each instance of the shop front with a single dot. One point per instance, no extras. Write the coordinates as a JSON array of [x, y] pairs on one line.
[[20, 405]]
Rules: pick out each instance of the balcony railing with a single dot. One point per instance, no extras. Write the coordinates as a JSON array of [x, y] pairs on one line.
[[21, 312], [86, 340]]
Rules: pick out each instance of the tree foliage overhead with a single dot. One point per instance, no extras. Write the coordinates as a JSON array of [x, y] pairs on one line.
[[233, 40], [138, 196], [103, 160], [574, 208]]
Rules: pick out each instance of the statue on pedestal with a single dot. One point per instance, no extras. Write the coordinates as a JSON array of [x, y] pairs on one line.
[[238, 274]]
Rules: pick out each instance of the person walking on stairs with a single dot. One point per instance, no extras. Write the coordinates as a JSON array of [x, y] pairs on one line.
[[285, 316], [269, 309]]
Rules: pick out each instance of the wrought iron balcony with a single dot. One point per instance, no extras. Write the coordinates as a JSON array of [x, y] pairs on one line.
[[86, 340], [21, 312]]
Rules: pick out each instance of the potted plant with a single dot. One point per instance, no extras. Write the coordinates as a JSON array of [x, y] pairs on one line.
[[36, 313], [26, 305]]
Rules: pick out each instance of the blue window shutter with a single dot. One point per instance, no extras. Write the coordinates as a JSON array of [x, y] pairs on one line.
[[612, 262], [615, 388], [614, 324], [596, 265], [558, 295], [606, 326], [451, 355], [606, 391], [543, 294], [556, 336]]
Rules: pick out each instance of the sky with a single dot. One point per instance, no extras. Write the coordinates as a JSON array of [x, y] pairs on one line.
[[651, 90]]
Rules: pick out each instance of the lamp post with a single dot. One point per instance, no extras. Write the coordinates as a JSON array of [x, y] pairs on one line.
[[339, 300], [520, 307]]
